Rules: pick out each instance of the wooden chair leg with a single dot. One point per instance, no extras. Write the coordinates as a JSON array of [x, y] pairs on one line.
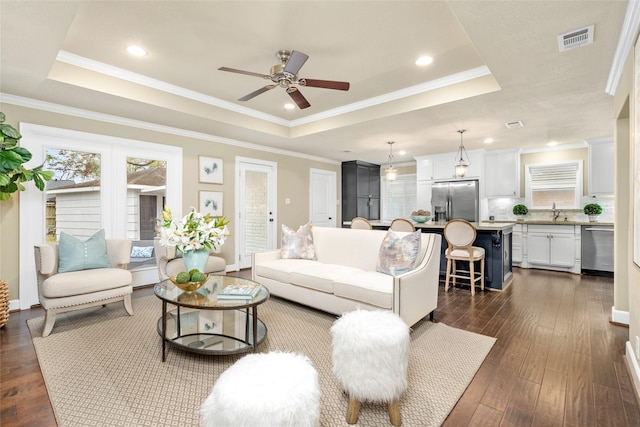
[[49, 320], [127, 304], [482, 274], [472, 269], [353, 411], [454, 272], [448, 276], [394, 412]]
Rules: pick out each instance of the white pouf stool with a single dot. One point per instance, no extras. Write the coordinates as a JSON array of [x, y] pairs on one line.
[[370, 358], [265, 390]]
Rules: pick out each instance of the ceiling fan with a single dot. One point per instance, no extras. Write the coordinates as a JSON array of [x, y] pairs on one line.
[[285, 75]]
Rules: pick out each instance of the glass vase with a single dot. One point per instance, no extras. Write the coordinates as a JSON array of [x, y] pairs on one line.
[[195, 259]]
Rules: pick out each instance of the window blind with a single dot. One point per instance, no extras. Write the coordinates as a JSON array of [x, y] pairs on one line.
[[399, 197], [549, 177]]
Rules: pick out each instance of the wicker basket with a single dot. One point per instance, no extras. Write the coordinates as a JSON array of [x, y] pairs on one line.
[[4, 303]]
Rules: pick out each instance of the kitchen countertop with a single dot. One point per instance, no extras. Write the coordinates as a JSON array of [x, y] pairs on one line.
[[552, 222], [483, 225]]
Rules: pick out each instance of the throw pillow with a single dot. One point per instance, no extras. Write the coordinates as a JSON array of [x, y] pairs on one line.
[[141, 251], [298, 244], [74, 254], [398, 254]]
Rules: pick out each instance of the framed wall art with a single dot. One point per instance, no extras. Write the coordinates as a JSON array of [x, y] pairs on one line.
[[211, 202], [210, 170]]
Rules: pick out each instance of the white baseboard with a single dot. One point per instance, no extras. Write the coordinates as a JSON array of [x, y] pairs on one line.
[[619, 316], [14, 304], [634, 368]]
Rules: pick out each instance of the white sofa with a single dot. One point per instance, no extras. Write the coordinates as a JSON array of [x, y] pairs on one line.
[[344, 276]]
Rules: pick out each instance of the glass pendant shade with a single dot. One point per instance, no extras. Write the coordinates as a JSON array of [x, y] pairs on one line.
[[461, 164], [391, 172]]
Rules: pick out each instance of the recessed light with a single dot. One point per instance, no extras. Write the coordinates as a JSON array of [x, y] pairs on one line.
[[289, 106], [136, 50], [424, 60], [402, 152], [488, 140], [552, 143]]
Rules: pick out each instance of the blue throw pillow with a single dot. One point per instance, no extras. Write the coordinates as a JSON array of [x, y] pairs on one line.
[[141, 251], [75, 255]]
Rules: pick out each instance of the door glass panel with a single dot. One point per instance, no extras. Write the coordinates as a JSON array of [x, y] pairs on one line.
[[146, 191], [73, 195], [256, 211]]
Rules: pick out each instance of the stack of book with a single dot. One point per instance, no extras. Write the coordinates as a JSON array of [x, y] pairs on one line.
[[239, 292]]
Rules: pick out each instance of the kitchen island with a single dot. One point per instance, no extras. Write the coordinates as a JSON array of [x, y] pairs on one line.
[[494, 237]]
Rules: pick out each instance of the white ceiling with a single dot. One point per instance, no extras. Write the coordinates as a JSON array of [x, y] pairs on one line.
[[494, 62]]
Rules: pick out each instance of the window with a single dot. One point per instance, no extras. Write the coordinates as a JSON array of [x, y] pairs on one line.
[[97, 191], [549, 184], [398, 197]]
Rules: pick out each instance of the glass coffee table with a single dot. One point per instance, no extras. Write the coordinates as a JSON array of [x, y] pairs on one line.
[[201, 323]]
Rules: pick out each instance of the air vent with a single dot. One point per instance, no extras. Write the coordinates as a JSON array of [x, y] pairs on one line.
[[575, 38], [514, 125]]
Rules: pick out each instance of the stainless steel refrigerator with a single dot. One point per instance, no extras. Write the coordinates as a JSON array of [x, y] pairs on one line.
[[455, 200]]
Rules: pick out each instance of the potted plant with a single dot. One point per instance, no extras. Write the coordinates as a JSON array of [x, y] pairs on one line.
[[12, 160], [520, 211], [592, 210]]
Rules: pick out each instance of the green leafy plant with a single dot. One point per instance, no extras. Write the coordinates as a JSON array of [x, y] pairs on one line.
[[12, 160], [520, 210], [592, 209]]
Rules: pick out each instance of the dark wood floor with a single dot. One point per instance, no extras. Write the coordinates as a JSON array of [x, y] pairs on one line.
[[557, 360]]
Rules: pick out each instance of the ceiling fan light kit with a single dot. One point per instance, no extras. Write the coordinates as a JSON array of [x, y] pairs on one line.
[[285, 75], [461, 164]]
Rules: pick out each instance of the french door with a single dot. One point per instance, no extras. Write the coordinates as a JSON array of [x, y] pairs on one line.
[[256, 216]]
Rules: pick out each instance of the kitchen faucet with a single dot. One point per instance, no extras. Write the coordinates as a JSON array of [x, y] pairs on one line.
[[556, 212]]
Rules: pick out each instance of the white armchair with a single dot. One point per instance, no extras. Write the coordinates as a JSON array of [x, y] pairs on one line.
[[73, 290], [170, 265]]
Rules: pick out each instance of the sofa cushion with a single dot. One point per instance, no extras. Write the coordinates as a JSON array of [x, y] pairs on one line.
[[298, 244], [369, 287], [399, 252], [83, 282], [75, 254], [320, 276], [141, 251], [280, 269]]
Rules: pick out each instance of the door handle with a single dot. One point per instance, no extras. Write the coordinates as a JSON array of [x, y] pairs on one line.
[[330, 218], [270, 219]]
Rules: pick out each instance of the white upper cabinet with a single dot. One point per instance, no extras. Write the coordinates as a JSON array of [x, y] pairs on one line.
[[424, 169], [441, 167], [502, 177], [601, 165]]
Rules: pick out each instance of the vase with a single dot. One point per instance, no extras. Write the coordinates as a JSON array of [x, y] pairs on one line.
[[593, 218], [195, 259]]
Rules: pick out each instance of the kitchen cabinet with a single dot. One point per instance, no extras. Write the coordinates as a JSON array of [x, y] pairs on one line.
[[441, 167], [360, 190], [517, 244], [423, 199], [502, 179], [601, 167], [551, 246]]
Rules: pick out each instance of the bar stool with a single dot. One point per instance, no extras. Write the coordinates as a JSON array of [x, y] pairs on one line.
[[402, 224], [460, 235], [361, 223]]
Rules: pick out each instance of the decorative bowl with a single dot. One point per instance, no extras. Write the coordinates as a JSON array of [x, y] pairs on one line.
[[421, 218], [189, 286]]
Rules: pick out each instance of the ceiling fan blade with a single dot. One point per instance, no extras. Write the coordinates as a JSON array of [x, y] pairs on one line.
[[327, 84], [298, 98], [257, 92], [248, 73], [295, 62]]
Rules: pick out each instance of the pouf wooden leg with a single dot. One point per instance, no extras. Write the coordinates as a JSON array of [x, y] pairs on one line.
[[353, 411], [394, 412]]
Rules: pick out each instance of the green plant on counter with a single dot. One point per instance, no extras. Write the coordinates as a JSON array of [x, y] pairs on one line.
[[12, 160], [520, 210], [592, 209]]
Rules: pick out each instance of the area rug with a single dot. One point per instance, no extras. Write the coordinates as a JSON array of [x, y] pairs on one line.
[[103, 367]]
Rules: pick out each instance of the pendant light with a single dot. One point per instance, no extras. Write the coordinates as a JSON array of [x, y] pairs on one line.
[[461, 164], [390, 171]]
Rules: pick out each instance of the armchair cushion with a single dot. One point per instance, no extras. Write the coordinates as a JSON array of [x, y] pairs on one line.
[[75, 254], [84, 282]]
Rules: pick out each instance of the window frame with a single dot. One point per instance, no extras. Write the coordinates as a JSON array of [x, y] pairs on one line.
[[409, 179], [578, 189]]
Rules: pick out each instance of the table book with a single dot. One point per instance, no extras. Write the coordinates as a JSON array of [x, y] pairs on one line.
[[239, 292]]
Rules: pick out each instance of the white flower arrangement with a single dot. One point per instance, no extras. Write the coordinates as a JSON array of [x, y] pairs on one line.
[[195, 231]]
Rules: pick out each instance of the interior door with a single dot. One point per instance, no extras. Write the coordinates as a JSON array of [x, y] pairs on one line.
[[322, 198], [256, 216]]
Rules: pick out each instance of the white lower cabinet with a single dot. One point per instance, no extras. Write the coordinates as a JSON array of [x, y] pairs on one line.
[[516, 244], [552, 246]]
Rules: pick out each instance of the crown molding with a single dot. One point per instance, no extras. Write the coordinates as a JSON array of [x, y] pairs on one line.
[[138, 124], [627, 38]]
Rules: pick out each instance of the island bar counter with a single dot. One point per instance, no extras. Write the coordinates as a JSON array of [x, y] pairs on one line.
[[494, 237]]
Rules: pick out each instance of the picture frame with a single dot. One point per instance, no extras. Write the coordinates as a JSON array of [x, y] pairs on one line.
[[211, 203], [210, 170]]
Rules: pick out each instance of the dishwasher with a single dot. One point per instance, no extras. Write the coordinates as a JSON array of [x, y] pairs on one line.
[[597, 249]]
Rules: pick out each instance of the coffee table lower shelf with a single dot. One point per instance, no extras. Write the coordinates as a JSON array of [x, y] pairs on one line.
[[231, 331]]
